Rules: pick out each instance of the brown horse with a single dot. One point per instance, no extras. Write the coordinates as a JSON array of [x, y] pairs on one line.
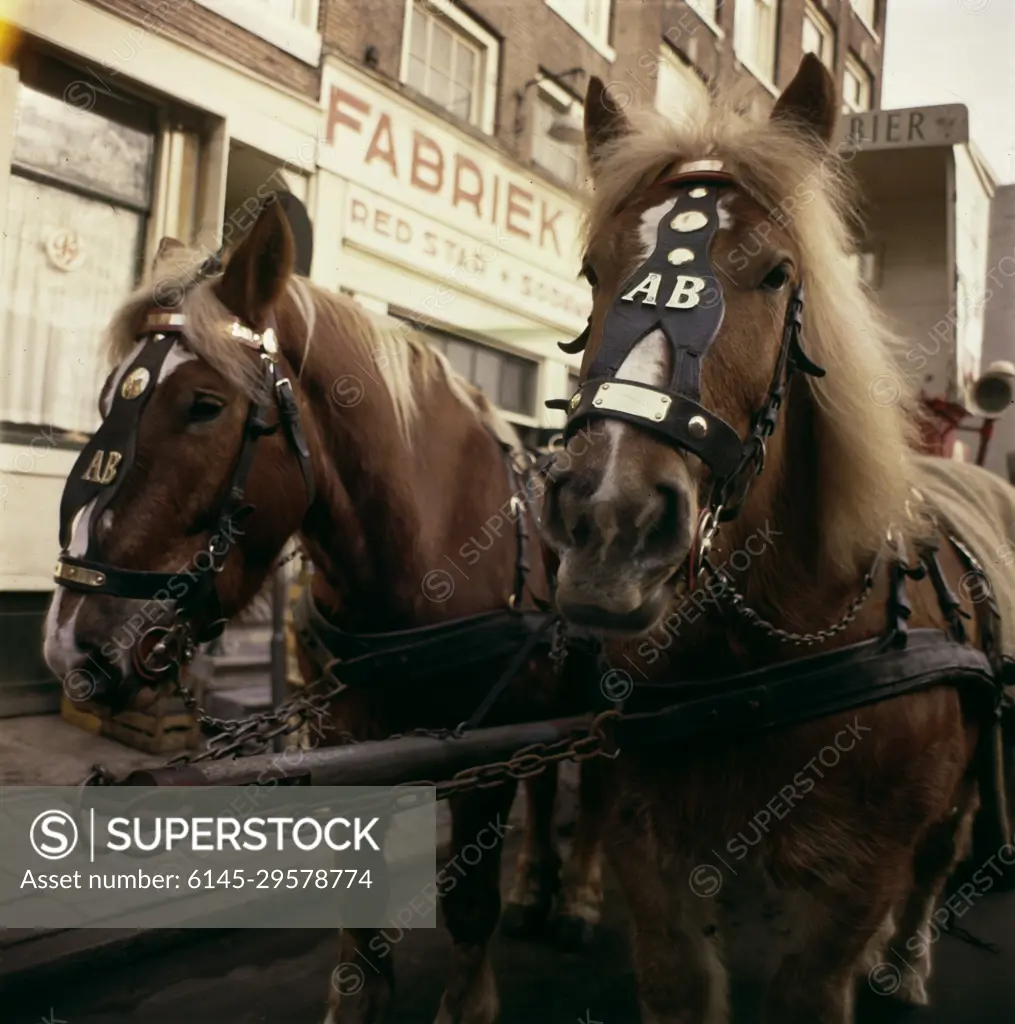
[[766, 868], [390, 468]]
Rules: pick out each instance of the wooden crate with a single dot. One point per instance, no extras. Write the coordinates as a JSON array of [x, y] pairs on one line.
[[164, 728]]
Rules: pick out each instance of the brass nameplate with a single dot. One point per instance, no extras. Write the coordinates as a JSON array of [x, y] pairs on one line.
[[633, 400], [78, 574]]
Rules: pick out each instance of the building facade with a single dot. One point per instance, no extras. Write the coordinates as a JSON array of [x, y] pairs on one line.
[[433, 144]]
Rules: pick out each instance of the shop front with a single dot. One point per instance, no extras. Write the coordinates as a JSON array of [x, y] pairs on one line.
[[112, 136], [425, 222]]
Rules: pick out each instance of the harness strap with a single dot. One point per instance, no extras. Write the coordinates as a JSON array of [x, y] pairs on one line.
[[792, 692], [443, 648], [493, 695]]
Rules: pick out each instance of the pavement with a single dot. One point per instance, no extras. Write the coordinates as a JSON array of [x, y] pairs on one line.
[[44, 750], [281, 976]]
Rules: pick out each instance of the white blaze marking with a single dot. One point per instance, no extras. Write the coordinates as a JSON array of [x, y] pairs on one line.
[[60, 648], [648, 230], [725, 217], [647, 363], [178, 355]]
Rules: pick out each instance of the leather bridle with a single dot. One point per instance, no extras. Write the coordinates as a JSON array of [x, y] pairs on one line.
[[103, 464], [676, 291]]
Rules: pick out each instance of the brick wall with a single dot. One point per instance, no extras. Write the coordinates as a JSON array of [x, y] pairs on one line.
[[531, 34], [188, 21], [715, 57]]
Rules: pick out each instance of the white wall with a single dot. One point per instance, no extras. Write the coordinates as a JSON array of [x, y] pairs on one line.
[[940, 51]]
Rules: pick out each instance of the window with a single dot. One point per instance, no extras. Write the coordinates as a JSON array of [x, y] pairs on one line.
[[867, 265], [589, 18], [561, 159], [452, 61], [77, 207], [676, 84], [754, 37], [867, 11], [856, 87], [708, 9], [508, 381], [818, 37], [291, 25]]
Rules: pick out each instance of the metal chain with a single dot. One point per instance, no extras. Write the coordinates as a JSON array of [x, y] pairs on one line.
[[740, 606], [237, 737], [527, 763], [558, 647]]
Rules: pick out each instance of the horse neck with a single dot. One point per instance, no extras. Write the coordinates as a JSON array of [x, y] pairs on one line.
[[773, 553], [403, 531], [776, 550]]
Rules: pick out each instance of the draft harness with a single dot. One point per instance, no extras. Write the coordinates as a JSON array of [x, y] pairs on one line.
[[677, 292], [103, 465], [513, 633]]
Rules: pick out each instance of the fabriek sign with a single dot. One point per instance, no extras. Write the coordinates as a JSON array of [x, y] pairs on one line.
[[426, 195]]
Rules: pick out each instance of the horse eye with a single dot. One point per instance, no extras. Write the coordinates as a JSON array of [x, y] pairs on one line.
[[777, 278], [589, 274], [204, 408]]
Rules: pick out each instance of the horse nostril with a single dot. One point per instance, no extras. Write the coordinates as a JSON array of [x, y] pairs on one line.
[[672, 508], [581, 532]]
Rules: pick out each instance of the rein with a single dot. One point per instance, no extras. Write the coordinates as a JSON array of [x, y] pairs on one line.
[[102, 466]]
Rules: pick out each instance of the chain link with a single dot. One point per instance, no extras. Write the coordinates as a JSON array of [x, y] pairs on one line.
[[740, 606], [241, 737]]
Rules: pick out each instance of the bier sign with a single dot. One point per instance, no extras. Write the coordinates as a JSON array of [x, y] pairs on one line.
[[909, 128]]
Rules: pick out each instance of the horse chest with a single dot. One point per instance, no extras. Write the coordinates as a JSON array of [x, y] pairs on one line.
[[759, 925]]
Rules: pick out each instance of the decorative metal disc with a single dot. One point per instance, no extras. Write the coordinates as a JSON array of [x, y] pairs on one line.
[[575, 399], [689, 220], [269, 342], [135, 383], [678, 256], [698, 193]]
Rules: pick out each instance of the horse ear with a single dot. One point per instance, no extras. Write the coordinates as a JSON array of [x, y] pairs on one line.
[[604, 119], [259, 268], [166, 246], [809, 100]]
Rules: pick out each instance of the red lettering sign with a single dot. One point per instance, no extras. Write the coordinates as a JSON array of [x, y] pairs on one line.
[[433, 167], [475, 197], [549, 224], [514, 207], [336, 115], [382, 145]]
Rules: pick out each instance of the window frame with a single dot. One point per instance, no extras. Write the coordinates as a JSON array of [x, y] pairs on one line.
[[600, 40], [825, 29], [856, 68], [710, 19], [557, 96], [438, 337], [297, 36], [487, 43], [862, 18], [671, 58], [748, 60]]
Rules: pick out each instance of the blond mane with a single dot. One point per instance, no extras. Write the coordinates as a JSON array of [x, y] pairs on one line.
[[866, 447], [397, 355]]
